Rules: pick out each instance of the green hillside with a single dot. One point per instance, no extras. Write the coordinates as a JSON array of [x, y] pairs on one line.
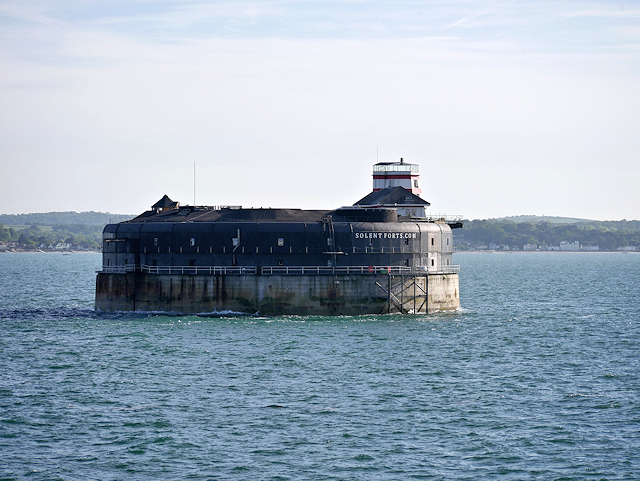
[[82, 230], [63, 218], [607, 235], [543, 218]]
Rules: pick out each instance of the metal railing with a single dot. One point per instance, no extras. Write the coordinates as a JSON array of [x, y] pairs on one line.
[[300, 270], [398, 250], [396, 168], [119, 269], [226, 270], [439, 270], [383, 250], [443, 217], [294, 270], [281, 270]]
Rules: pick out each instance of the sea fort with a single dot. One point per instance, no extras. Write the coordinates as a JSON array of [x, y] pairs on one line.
[[384, 254]]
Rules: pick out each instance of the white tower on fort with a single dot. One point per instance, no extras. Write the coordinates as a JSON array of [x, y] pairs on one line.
[[396, 174]]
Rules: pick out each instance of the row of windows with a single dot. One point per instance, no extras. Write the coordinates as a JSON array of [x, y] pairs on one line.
[[236, 242], [392, 183]]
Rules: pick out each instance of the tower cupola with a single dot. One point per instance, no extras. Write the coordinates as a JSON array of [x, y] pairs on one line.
[[396, 174]]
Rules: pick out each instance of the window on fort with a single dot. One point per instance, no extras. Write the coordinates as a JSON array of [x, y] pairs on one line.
[[447, 241], [329, 241], [433, 262], [192, 241], [280, 241], [192, 262], [371, 241], [155, 241], [415, 184], [280, 262], [433, 241], [406, 242]]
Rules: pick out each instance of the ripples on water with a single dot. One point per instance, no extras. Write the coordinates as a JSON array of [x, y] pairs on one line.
[[537, 378]]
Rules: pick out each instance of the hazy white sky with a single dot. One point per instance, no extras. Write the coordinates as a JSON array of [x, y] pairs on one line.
[[509, 107]]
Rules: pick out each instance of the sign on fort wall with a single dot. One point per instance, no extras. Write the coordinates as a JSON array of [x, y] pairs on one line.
[[385, 235]]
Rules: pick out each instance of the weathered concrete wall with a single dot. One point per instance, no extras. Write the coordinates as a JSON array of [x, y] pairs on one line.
[[274, 294], [115, 292], [444, 292]]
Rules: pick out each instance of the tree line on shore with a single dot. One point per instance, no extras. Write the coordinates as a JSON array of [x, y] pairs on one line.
[[28, 232], [77, 229], [36, 236], [63, 218], [608, 235]]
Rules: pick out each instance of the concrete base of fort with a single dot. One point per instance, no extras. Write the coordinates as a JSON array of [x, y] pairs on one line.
[[277, 294]]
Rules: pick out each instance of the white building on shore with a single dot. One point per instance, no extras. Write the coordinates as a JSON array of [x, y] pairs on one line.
[[570, 246]]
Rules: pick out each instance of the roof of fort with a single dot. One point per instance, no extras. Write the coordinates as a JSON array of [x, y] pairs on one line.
[[225, 214], [392, 196]]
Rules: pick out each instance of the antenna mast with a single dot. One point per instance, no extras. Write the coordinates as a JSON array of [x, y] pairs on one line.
[[194, 184]]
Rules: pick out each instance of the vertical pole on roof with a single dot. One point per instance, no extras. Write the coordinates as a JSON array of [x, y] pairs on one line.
[[194, 184]]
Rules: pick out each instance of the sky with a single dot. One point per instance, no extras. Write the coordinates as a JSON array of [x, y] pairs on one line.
[[509, 107]]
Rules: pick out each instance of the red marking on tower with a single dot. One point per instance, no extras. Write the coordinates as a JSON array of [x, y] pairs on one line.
[[396, 174]]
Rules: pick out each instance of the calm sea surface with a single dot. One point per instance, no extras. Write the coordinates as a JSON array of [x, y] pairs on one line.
[[537, 378]]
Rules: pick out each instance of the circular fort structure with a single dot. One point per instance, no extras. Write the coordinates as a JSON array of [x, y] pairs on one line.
[[363, 259]]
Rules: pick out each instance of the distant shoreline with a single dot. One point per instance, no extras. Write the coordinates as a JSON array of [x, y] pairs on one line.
[[543, 252], [36, 251]]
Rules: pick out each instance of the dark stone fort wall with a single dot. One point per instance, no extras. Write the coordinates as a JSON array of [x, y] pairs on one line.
[[270, 244]]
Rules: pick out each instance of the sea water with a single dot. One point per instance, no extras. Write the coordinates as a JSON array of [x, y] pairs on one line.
[[537, 377]]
